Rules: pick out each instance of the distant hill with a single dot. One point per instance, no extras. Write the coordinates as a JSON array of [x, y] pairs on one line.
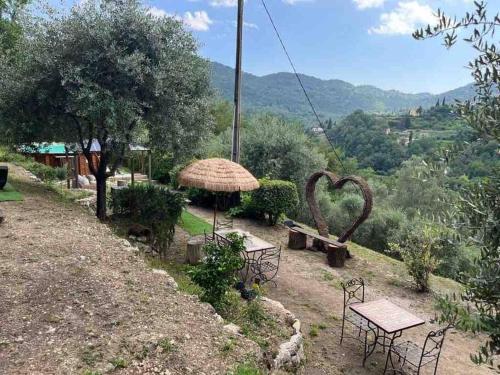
[[334, 98]]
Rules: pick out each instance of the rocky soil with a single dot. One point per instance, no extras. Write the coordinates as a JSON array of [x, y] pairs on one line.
[[75, 298]]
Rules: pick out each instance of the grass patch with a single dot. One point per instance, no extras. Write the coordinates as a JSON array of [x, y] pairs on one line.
[[167, 345], [194, 225], [247, 368], [315, 328], [228, 346], [118, 363], [68, 195], [9, 194], [179, 272], [256, 324], [327, 276]]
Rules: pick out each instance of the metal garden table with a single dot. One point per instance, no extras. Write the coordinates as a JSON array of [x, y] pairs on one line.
[[386, 320], [255, 247]]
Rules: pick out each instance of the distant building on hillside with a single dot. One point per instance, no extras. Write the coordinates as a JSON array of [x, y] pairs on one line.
[[416, 112], [317, 130]]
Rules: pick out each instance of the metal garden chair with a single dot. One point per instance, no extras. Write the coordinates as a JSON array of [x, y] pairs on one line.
[[226, 223], [354, 292], [209, 237], [266, 267], [415, 357]]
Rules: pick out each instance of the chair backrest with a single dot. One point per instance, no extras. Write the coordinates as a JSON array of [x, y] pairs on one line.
[[226, 223], [354, 291], [209, 237], [273, 255], [432, 346]]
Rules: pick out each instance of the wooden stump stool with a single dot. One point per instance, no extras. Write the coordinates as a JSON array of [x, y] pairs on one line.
[[194, 251], [336, 256], [296, 240]]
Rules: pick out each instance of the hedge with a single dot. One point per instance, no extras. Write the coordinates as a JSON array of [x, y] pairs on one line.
[[153, 206], [274, 198]]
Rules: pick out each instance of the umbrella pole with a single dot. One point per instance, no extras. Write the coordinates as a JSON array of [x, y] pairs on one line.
[[215, 215]]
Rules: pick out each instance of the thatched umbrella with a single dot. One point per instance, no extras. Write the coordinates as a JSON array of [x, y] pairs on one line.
[[218, 175]]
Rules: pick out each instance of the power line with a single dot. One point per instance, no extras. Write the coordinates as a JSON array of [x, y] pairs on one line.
[[302, 85]]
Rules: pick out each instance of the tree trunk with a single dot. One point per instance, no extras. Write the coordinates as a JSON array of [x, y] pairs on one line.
[[101, 195]]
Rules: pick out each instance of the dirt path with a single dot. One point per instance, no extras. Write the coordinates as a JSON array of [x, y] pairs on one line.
[[310, 288], [75, 298]]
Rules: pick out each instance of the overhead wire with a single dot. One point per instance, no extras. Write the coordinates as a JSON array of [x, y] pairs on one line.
[[302, 84]]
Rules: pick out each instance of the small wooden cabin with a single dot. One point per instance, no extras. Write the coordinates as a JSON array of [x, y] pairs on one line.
[[55, 155]]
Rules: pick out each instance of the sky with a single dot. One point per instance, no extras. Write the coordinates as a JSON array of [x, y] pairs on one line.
[[358, 41]]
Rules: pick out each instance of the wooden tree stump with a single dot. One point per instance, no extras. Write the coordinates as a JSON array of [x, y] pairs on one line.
[[336, 256], [194, 251], [296, 240]]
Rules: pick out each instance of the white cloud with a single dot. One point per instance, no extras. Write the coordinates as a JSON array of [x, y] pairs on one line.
[[365, 4], [157, 12], [233, 3], [198, 21], [224, 3], [249, 25], [404, 19], [293, 2]]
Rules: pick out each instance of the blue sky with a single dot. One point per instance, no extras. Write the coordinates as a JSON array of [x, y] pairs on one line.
[[359, 41]]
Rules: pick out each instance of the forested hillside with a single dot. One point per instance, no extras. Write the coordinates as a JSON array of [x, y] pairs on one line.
[[280, 93]]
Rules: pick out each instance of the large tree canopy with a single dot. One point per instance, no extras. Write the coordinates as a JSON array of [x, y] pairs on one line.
[[10, 29], [107, 71]]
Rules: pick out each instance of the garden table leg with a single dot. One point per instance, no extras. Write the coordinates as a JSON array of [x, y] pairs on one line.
[[389, 357]]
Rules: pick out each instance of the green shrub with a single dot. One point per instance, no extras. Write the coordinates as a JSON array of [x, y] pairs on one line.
[[274, 198], [375, 231], [217, 274], [161, 167], [42, 171], [418, 250], [61, 173], [201, 197], [245, 208], [153, 206], [9, 156], [174, 173]]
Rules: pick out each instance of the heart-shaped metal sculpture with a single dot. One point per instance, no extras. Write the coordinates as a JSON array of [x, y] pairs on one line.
[[338, 183]]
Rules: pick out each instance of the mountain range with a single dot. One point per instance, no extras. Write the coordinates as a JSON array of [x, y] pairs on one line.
[[281, 93]]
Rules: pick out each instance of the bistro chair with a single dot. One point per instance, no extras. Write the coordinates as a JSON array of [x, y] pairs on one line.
[[209, 237], [354, 292], [226, 223], [265, 268], [415, 357]]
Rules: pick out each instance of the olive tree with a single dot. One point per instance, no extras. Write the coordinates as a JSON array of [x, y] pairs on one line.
[[10, 28], [106, 71], [479, 208]]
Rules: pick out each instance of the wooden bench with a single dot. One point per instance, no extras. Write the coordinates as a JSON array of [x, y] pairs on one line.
[[336, 251]]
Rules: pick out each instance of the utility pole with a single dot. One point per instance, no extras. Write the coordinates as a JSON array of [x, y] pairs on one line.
[[235, 154]]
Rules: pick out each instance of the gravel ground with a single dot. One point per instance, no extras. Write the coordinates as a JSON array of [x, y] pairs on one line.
[[75, 298]]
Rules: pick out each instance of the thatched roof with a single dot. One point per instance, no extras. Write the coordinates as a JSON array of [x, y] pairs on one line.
[[218, 175]]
